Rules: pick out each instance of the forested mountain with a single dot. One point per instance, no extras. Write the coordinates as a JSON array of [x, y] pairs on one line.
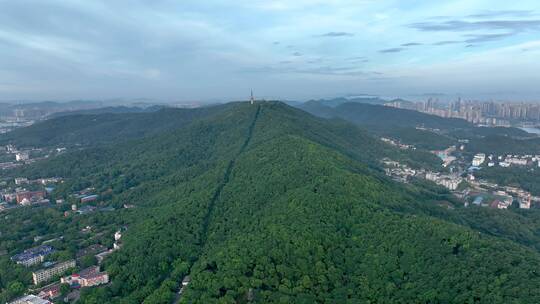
[[383, 116], [265, 203], [101, 126], [112, 110], [409, 126]]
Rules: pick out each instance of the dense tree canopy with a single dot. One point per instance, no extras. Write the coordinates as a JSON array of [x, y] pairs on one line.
[[265, 203]]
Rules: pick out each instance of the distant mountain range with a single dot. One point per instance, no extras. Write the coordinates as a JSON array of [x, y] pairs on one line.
[[112, 110], [412, 127], [48, 109], [334, 102]]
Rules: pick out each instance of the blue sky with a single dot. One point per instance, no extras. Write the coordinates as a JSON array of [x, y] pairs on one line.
[[218, 50]]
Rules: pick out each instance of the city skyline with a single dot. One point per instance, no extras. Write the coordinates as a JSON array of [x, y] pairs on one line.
[[299, 50]]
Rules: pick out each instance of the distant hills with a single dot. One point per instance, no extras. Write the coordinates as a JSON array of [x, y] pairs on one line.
[[47, 109], [266, 203], [112, 110], [420, 129], [382, 116], [104, 125]]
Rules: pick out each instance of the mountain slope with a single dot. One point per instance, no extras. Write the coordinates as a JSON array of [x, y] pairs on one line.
[[379, 115], [98, 128], [402, 125], [112, 110], [298, 237], [265, 203]]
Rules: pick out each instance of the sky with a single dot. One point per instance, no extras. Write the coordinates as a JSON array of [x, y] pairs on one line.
[[282, 49]]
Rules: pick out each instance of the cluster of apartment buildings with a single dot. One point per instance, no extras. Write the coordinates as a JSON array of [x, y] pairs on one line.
[[397, 144], [33, 256], [505, 161], [484, 193], [449, 181], [503, 196], [46, 274], [488, 113], [20, 195], [403, 173], [91, 276]]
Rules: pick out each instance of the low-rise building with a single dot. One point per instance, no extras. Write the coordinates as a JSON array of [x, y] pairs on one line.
[[22, 156], [21, 181], [46, 274], [517, 161], [30, 196], [450, 183], [33, 256], [498, 204], [30, 299], [89, 198], [50, 292], [478, 159], [88, 277], [86, 209]]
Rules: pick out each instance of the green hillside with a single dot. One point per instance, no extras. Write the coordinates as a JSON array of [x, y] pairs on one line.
[[383, 116], [265, 203], [403, 124], [93, 127], [111, 110]]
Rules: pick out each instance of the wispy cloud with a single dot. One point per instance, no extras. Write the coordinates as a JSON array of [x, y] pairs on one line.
[[351, 71], [411, 44], [357, 59], [502, 13], [461, 26], [447, 42], [474, 38], [392, 50], [336, 34]]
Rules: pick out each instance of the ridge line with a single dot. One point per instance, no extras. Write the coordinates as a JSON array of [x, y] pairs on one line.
[[215, 197]]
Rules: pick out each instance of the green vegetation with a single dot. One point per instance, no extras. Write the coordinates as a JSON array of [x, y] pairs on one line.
[[92, 129], [378, 115], [439, 132], [524, 177], [265, 203], [502, 145]]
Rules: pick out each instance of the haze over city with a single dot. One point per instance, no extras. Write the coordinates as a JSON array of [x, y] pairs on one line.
[[297, 50]]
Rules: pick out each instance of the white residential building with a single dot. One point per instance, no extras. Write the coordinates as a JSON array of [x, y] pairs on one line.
[[517, 161], [450, 183], [478, 159], [22, 156], [504, 164], [21, 180], [46, 274]]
